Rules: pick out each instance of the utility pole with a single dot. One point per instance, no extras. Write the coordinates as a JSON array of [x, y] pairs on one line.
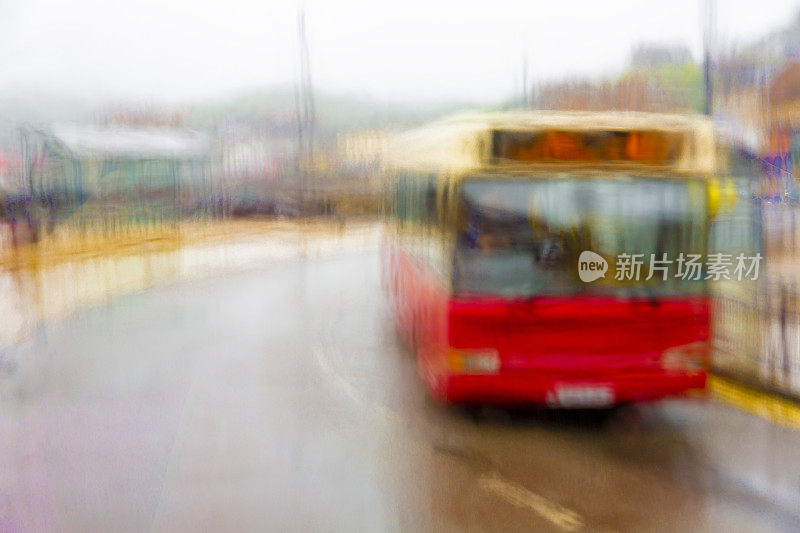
[[304, 102], [525, 88], [525, 80], [709, 19]]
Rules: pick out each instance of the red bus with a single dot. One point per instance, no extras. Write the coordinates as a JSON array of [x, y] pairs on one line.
[[487, 218]]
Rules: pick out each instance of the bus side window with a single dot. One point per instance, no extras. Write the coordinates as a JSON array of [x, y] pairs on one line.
[[388, 209], [431, 214], [400, 202], [405, 212], [421, 239]]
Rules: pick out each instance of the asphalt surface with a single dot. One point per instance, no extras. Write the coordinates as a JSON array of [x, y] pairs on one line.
[[280, 399]]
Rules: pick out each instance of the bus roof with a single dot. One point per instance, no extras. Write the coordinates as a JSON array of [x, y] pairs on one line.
[[464, 143]]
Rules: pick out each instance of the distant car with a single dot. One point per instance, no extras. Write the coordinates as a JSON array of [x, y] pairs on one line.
[[792, 194]]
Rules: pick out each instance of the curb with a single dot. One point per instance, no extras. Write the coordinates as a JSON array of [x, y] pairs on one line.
[[779, 409]]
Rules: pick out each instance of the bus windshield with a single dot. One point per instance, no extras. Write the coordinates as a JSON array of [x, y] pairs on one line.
[[522, 237]]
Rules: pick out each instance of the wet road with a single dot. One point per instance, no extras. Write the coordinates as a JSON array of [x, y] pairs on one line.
[[280, 398]]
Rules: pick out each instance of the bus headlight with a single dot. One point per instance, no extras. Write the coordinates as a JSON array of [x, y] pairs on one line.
[[686, 358], [474, 361]]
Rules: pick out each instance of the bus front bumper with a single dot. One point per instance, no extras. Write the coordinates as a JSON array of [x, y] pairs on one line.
[[561, 391]]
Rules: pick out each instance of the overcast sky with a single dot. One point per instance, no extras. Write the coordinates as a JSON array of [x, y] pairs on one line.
[[408, 49]]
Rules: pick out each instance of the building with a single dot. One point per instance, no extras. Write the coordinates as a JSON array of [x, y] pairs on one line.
[[114, 178]]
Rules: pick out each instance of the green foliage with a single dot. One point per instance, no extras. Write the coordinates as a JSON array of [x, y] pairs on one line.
[[686, 78]]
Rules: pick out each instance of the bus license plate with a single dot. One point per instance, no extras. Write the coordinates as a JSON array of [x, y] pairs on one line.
[[583, 396]]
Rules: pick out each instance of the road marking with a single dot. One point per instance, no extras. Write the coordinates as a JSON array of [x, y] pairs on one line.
[[770, 407], [348, 388], [517, 495], [337, 379]]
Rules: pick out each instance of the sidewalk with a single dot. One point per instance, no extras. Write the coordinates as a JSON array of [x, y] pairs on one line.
[[52, 280], [66, 247]]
